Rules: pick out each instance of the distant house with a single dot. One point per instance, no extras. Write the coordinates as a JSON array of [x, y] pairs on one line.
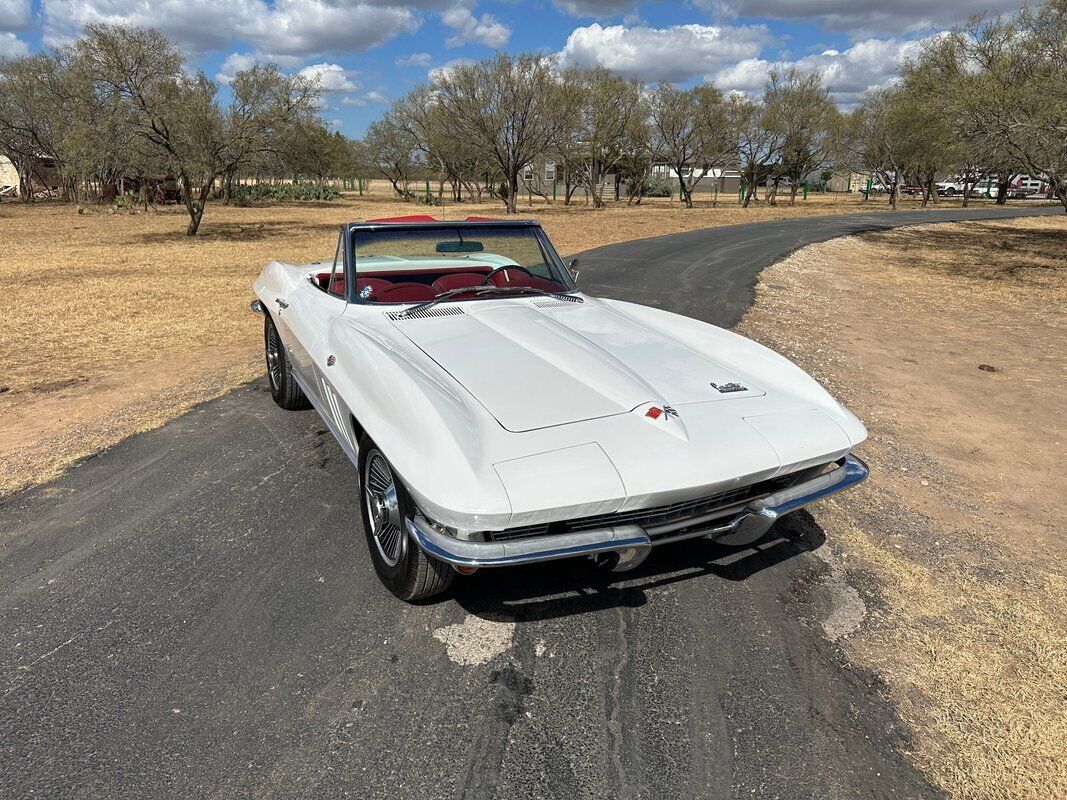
[[9, 178], [847, 182], [719, 180], [45, 177]]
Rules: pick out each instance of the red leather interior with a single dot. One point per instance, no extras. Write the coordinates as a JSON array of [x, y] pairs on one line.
[[408, 292], [516, 277], [377, 285], [458, 280]]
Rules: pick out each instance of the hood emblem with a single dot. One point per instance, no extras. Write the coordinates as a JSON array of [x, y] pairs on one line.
[[726, 388], [655, 412]]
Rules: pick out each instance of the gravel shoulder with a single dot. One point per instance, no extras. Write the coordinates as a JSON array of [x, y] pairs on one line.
[[950, 342]]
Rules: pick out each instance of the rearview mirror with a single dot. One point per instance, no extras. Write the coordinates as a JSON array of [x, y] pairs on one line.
[[459, 247], [572, 268]]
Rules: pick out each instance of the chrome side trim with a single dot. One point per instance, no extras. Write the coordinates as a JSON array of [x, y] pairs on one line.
[[748, 523]]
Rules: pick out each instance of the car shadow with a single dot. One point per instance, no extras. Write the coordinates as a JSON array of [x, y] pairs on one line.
[[576, 586]]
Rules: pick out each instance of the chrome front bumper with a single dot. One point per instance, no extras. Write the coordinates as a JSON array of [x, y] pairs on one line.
[[736, 525]]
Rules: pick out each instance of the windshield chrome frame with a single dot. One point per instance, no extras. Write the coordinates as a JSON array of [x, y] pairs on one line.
[[352, 230]]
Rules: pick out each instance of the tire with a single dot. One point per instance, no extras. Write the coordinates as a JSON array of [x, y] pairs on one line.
[[283, 386], [402, 566]]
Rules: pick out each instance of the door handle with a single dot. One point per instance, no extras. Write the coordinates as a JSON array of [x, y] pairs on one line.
[[281, 303]]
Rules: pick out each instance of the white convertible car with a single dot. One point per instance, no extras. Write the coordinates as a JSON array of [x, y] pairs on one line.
[[499, 416]]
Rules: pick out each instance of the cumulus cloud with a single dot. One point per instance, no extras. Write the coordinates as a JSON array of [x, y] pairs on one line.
[[601, 9], [14, 15], [12, 46], [330, 77], [415, 60], [466, 27], [288, 27], [870, 64], [865, 17], [437, 73], [235, 62], [674, 54]]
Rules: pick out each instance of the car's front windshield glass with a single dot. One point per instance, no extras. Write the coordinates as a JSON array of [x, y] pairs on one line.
[[416, 265]]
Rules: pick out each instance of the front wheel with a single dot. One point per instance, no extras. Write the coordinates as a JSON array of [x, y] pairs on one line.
[[401, 565], [283, 386]]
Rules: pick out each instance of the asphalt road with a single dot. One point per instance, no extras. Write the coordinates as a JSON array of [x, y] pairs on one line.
[[193, 614]]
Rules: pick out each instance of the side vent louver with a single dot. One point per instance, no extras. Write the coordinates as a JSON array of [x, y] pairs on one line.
[[432, 311]]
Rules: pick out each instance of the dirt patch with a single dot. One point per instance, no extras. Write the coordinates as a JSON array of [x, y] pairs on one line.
[[957, 538], [113, 323]]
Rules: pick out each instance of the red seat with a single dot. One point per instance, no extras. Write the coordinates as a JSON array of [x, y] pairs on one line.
[[457, 280], [405, 293], [515, 277], [377, 285]]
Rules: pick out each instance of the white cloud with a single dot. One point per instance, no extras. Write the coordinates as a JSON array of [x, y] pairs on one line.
[[375, 97], [330, 77], [601, 9], [466, 27], [288, 27], [353, 101], [870, 64], [235, 62], [14, 15], [674, 54], [12, 46], [415, 60], [864, 17], [435, 74]]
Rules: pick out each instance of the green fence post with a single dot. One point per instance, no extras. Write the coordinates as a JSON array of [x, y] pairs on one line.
[[741, 191], [553, 190], [805, 190], [867, 191], [360, 187], [427, 188]]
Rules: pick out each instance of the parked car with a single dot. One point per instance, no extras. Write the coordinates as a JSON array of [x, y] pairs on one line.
[[1025, 186], [913, 189], [949, 188], [497, 415]]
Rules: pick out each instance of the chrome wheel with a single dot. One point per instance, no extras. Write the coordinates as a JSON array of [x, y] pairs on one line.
[[383, 508], [274, 358]]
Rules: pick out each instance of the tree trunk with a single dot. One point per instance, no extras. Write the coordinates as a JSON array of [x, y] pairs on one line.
[[513, 192], [1002, 189], [194, 208], [893, 195], [793, 194], [750, 192], [1059, 186]]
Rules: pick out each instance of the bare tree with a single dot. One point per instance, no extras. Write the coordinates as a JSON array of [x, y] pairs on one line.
[[807, 121], [1007, 87], [508, 106], [757, 141], [179, 114], [690, 131], [610, 108], [391, 148]]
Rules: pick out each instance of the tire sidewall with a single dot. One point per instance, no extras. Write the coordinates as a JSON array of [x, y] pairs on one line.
[[394, 576]]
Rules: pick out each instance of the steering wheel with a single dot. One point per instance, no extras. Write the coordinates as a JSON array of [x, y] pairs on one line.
[[488, 277]]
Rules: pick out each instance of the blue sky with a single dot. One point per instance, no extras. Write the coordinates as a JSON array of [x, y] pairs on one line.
[[367, 52]]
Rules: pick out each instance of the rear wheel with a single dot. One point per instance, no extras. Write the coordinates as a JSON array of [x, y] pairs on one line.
[[283, 386], [401, 565]]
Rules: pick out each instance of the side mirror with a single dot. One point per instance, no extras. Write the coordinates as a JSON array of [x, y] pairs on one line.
[[572, 268]]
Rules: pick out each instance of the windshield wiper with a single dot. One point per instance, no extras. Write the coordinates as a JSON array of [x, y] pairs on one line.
[[480, 290]]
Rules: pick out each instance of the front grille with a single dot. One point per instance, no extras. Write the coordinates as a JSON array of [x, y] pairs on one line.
[[659, 515]]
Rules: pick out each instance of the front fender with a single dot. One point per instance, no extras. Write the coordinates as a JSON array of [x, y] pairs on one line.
[[766, 367], [433, 432]]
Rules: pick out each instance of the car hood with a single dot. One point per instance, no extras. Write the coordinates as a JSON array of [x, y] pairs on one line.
[[540, 363]]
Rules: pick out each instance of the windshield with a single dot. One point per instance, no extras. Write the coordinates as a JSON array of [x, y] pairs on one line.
[[416, 265]]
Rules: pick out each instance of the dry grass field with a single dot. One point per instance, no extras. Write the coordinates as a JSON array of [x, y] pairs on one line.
[[950, 342], [113, 323]]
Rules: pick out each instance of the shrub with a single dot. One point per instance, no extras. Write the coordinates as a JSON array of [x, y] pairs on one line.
[[245, 194]]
